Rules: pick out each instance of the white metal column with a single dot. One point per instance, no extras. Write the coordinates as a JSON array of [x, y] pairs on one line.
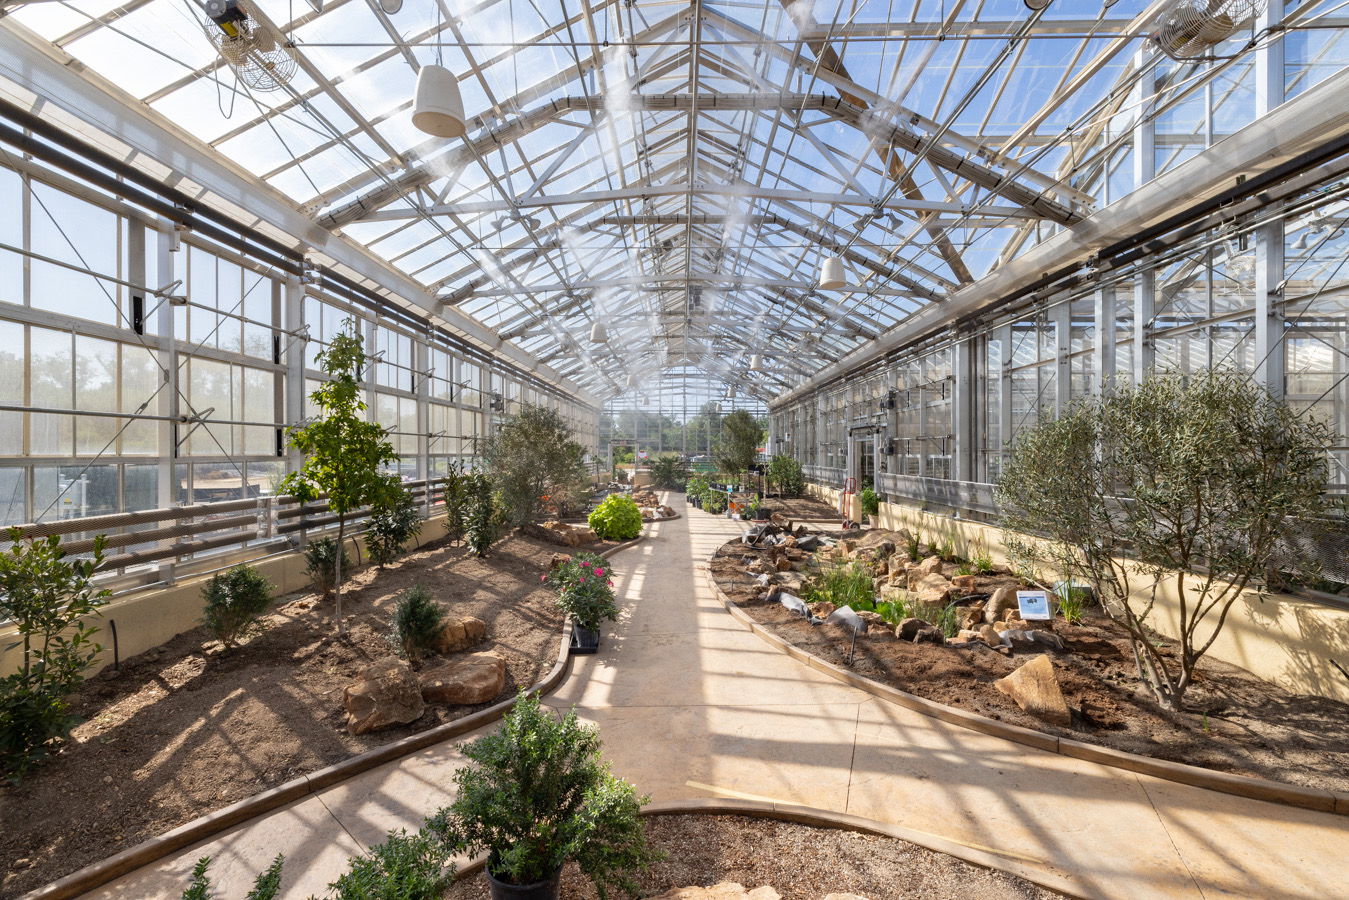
[[167, 406], [292, 357], [1061, 315], [1144, 309], [1103, 378], [1269, 321], [962, 411]]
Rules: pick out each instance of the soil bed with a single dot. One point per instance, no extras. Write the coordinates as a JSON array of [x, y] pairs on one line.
[[802, 509], [1235, 722], [800, 862], [181, 731]]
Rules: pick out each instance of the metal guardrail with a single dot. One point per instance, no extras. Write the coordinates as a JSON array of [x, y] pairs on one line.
[[824, 475], [960, 495]]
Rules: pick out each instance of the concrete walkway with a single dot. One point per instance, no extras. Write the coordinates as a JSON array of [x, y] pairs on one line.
[[692, 705]]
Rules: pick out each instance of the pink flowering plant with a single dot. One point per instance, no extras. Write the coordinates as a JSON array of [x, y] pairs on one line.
[[585, 590]]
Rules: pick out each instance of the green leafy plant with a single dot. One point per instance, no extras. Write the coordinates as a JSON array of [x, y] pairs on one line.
[[870, 502], [964, 569], [416, 621], [942, 615], [669, 472], [393, 524], [48, 597], [894, 610], [914, 545], [456, 502], [1072, 602], [235, 601], [845, 584], [481, 516], [585, 590], [715, 502], [616, 519], [785, 476], [344, 452], [322, 566], [947, 552], [1217, 476], [697, 486], [982, 564], [265, 887], [738, 447], [538, 793], [532, 456], [402, 867]]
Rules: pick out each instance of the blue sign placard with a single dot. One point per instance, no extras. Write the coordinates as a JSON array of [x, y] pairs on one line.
[[1033, 605]]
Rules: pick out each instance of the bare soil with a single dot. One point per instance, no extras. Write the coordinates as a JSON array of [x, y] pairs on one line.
[[183, 730], [800, 862], [806, 509], [1234, 722]]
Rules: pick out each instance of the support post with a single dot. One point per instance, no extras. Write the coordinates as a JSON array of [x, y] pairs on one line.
[[1145, 298], [1269, 320], [1103, 378], [168, 251], [962, 410]]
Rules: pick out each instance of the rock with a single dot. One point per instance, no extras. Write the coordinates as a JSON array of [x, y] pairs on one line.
[[558, 560], [1035, 688], [458, 634], [871, 618], [931, 634], [561, 533], [972, 616], [847, 547], [387, 693], [989, 635], [1021, 639], [930, 566], [885, 549], [761, 567], [1013, 623], [727, 890], [784, 564], [822, 608], [896, 565], [844, 897], [791, 582], [1002, 602], [967, 636], [907, 628], [964, 583], [471, 678], [933, 589]]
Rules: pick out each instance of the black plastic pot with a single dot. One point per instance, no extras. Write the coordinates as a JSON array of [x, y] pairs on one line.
[[547, 889], [583, 640]]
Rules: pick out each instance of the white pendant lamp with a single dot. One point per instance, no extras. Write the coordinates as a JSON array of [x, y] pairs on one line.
[[438, 108], [756, 363], [831, 273], [598, 333]]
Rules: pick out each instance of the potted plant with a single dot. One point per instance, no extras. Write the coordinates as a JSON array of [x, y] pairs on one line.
[[755, 510], [538, 794], [585, 592]]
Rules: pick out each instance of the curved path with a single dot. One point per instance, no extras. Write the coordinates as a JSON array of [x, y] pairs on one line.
[[691, 705]]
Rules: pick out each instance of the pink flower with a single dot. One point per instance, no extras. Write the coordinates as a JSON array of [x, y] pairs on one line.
[[611, 584], [543, 578], [599, 571]]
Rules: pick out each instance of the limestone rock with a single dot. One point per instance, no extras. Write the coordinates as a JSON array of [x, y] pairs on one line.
[[896, 565], [933, 589], [471, 678], [1002, 602], [972, 616], [822, 608], [907, 628], [562, 533], [989, 635], [386, 694], [727, 890], [929, 634], [558, 560], [458, 634], [1035, 688], [930, 566], [964, 583]]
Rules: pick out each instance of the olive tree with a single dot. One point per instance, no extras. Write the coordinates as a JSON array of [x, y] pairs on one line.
[[738, 447], [344, 453], [530, 456], [1194, 482]]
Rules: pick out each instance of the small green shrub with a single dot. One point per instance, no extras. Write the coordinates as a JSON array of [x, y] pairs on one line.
[[416, 620], [539, 793], [585, 590], [235, 601], [947, 552], [848, 584], [392, 526], [481, 516], [893, 611], [870, 502], [913, 546], [785, 475], [403, 867], [714, 502], [1072, 602], [616, 519], [697, 486], [982, 564], [265, 887], [964, 569], [48, 599], [944, 616], [456, 502], [669, 472], [320, 559]]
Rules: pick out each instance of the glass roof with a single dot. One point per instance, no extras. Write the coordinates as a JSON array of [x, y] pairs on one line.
[[675, 170]]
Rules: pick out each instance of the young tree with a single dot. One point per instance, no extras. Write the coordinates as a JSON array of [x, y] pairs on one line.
[[531, 455], [344, 453], [738, 447], [1195, 481]]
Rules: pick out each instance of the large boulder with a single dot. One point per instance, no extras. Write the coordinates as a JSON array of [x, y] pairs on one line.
[[471, 678], [562, 533], [932, 589], [1035, 688], [1000, 604], [930, 566], [458, 634], [387, 693]]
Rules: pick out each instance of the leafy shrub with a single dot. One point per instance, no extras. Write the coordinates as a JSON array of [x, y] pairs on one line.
[[669, 472], [320, 558], [785, 475], [982, 564], [265, 887], [616, 519], [235, 601], [585, 590], [714, 502], [893, 611], [538, 793], [532, 454], [870, 502], [1072, 602], [456, 502], [403, 867], [416, 620], [947, 552], [697, 486], [964, 569], [47, 597], [392, 526], [480, 514], [914, 545], [847, 584], [944, 616]]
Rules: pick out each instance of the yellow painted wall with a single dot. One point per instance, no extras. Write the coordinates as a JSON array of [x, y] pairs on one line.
[[147, 618], [1282, 638]]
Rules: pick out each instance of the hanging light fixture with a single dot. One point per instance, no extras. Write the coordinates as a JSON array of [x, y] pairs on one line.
[[756, 363], [598, 333], [438, 107], [831, 273]]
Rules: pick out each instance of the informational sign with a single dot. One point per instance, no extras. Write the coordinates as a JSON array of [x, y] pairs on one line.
[[641, 454], [1033, 605]]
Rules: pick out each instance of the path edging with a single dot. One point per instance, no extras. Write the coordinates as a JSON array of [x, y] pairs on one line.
[[1318, 799]]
